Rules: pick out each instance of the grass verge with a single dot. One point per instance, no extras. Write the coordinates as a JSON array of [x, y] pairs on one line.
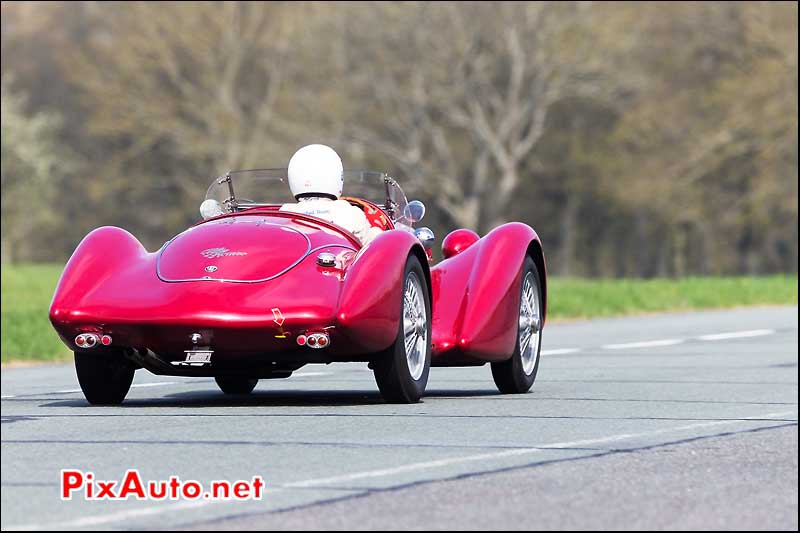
[[27, 289], [25, 330], [584, 298]]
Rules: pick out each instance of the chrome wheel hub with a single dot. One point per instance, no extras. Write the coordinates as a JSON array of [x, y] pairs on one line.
[[529, 324], [415, 326]]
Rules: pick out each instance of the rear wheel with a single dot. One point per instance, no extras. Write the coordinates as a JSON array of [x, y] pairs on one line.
[[105, 378], [236, 385], [517, 374], [401, 371]]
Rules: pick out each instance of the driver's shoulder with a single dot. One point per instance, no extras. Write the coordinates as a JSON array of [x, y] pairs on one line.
[[346, 205], [289, 207]]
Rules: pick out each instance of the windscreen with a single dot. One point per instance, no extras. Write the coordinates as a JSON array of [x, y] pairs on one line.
[[241, 189]]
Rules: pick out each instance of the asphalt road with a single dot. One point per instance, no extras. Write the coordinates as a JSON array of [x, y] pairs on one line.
[[678, 421]]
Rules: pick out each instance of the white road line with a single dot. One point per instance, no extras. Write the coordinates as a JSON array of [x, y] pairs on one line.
[[736, 334], [157, 384], [560, 351], [96, 520], [644, 344], [428, 465], [413, 467], [9, 396], [556, 351]]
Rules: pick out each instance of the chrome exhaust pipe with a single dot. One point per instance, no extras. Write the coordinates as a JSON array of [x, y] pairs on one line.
[[314, 340], [87, 340]]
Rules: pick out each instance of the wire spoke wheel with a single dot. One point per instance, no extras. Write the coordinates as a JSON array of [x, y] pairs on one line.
[[529, 323], [401, 370], [517, 374], [415, 320]]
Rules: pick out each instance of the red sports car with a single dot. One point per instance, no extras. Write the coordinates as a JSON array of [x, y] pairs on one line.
[[254, 292]]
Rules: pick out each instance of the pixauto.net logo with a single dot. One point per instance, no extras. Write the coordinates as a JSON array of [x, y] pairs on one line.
[[84, 485]]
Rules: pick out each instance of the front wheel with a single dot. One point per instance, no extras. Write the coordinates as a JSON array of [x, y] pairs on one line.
[[517, 374], [236, 385], [401, 370], [105, 378]]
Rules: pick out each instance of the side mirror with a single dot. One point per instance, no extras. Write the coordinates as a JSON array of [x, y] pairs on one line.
[[414, 211], [425, 236]]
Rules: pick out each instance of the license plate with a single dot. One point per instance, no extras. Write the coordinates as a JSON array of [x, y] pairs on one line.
[[198, 356]]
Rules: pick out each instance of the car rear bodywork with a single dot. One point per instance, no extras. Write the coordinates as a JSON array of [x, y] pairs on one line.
[[247, 285]]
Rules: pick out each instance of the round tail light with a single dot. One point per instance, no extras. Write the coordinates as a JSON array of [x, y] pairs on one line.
[[301, 340], [312, 341], [106, 340]]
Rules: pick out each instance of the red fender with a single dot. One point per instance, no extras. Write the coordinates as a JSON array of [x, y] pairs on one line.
[[101, 254], [476, 294], [369, 305]]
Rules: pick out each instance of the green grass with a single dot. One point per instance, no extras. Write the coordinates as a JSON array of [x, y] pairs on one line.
[[27, 289], [583, 298], [26, 331]]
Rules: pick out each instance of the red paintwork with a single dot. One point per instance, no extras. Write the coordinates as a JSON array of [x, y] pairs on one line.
[[264, 251], [457, 241], [476, 296], [112, 285], [369, 306]]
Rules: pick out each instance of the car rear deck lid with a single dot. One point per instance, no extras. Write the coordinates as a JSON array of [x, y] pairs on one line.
[[250, 250]]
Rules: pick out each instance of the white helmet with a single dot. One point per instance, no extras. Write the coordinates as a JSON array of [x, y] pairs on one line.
[[316, 169]]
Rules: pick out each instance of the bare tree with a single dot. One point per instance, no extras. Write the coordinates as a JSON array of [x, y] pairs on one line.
[[724, 99], [204, 79], [33, 165], [458, 95], [646, 139]]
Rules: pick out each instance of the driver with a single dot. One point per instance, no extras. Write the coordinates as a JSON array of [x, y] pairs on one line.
[[316, 181]]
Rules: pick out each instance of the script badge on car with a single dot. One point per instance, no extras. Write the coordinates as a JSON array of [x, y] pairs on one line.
[[211, 253]]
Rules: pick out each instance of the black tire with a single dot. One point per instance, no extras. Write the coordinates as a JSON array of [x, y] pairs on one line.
[[236, 385], [105, 378], [391, 367], [510, 375]]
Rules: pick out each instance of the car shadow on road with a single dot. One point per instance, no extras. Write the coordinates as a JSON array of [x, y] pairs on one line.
[[283, 398]]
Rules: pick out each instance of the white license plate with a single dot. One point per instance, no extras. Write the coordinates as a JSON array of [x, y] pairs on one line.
[[198, 356]]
